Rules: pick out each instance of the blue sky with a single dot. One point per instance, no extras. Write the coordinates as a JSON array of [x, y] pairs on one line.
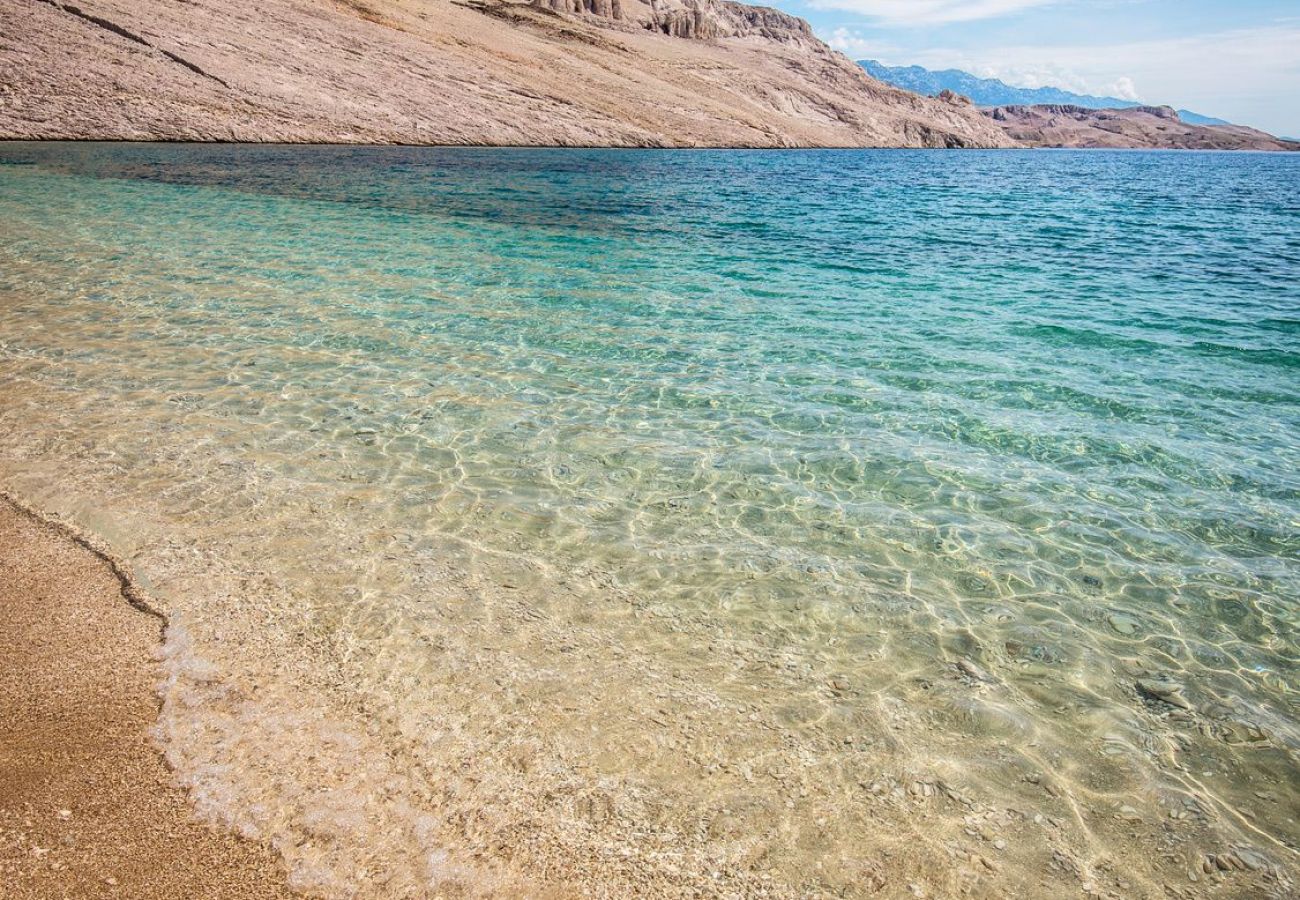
[[1237, 60]]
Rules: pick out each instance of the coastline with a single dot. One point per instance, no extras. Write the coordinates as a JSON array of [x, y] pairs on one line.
[[658, 147], [87, 806]]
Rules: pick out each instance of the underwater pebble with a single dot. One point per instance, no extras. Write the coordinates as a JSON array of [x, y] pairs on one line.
[[972, 671], [1165, 690], [1122, 624]]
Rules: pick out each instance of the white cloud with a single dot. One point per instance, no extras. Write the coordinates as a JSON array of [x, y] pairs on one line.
[[1053, 74], [1123, 88], [929, 12], [1034, 76], [852, 44]]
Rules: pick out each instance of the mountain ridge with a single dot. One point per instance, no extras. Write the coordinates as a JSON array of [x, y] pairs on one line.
[[992, 92]]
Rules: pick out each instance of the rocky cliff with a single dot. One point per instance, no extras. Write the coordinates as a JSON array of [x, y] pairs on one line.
[[693, 19], [519, 72], [1143, 127]]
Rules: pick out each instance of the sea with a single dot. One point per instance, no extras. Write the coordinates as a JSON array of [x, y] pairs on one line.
[[557, 522]]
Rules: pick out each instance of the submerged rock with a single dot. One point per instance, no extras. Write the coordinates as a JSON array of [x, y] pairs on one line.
[[1163, 689], [1123, 624], [973, 671]]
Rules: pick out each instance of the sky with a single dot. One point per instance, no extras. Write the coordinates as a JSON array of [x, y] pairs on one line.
[[1233, 59]]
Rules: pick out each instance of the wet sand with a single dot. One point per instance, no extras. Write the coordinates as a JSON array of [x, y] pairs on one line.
[[87, 808]]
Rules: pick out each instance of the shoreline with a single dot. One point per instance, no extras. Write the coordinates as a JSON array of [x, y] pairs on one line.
[[659, 148], [87, 804]]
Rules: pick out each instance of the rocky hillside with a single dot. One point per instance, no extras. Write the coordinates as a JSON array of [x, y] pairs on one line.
[[1149, 127], [522, 72]]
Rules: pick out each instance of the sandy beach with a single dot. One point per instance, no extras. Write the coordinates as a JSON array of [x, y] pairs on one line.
[[87, 807]]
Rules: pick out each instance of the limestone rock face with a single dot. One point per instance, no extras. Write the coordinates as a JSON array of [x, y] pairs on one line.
[[712, 19], [608, 9], [1161, 112], [691, 19], [627, 73]]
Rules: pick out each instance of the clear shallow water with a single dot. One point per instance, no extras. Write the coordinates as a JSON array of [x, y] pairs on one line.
[[750, 523]]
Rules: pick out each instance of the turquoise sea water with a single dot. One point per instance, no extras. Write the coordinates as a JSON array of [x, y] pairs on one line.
[[808, 522]]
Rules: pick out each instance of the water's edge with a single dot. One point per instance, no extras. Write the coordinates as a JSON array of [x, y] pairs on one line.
[[132, 590]]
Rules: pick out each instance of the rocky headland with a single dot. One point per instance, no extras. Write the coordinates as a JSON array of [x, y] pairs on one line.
[[1143, 127]]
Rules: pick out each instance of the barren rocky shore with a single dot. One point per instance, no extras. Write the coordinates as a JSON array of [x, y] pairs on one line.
[[679, 73], [1145, 127]]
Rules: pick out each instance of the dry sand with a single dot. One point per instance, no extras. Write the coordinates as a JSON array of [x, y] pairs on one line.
[[87, 808]]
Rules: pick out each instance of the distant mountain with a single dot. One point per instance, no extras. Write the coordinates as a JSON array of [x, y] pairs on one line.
[[1192, 118], [992, 92]]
